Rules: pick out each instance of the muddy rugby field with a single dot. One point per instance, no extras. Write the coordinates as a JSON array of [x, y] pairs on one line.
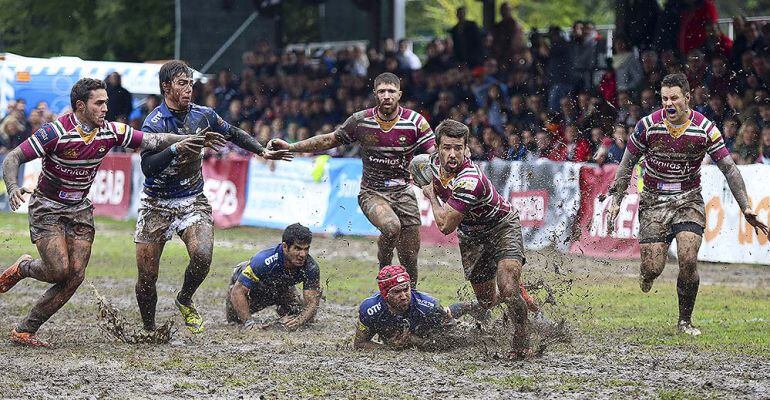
[[623, 343]]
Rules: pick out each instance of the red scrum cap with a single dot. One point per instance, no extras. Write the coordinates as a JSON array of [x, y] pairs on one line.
[[390, 277]]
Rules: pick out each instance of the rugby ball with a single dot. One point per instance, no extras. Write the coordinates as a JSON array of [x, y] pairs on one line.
[[420, 169]]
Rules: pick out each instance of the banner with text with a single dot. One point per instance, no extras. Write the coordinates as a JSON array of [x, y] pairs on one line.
[[225, 187], [111, 191], [592, 220], [546, 195], [728, 237], [279, 194]]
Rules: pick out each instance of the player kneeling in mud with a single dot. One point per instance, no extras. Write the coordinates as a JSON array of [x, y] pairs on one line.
[[268, 279], [403, 317]]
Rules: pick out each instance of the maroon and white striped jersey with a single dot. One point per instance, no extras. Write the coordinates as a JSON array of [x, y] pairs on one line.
[[471, 193], [387, 146], [673, 155], [71, 156]]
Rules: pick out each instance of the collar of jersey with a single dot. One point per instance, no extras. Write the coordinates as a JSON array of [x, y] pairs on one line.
[[87, 137], [165, 112]]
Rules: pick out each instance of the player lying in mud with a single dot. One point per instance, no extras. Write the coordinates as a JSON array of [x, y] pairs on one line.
[[402, 317]]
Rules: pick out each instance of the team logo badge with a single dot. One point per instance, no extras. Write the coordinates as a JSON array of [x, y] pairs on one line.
[[71, 153], [402, 139], [102, 149]]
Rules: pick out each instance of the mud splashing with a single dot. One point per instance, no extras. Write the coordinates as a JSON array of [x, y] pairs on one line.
[[112, 321]]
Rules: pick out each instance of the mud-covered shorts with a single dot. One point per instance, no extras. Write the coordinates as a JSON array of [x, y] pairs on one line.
[[662, 216], [51, 218], [482, 251], [402, 201], [286, 298], [160, 218]]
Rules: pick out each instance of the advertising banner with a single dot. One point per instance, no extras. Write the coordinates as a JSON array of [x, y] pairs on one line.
[[225, 187], [592, 220], [279, 194], [728, 237], [111, 191]]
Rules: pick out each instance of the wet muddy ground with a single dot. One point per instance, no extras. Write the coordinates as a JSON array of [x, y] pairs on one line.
[[318, 361]]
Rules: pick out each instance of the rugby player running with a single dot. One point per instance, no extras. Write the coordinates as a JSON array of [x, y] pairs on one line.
[[389, 135], [173, 199], [673, 142], [61, 221], [491, 245]]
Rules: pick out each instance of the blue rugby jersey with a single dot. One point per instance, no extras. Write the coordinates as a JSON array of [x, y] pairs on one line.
[[181, 178]]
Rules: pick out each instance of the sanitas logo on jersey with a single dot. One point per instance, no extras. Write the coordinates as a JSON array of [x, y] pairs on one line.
[[386, 161], [424, 303]]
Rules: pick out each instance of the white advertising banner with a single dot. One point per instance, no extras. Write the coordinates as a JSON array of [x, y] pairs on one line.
[[728, 238], [280, 194]]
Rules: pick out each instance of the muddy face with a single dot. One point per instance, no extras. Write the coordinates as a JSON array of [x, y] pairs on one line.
[[94, 110], [451, 153], [400, 297], [388, 96], [675, 102], [296, 254], [179, 92]]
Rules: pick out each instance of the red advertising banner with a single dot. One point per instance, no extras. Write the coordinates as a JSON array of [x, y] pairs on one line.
[[111, 190], [592, 217], [225, 187]]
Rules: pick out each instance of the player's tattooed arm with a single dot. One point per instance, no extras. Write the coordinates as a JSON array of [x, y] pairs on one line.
[[619, 187], [363, 339], [312, 300], [738, 188], [312, 145], [242, 139], [321, 142], [240, 301], [204, 138], [447, 218], [10, 175]]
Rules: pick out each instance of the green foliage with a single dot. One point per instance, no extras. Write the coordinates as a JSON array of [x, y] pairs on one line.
[[121, 30], [435, 17], [302, 23]]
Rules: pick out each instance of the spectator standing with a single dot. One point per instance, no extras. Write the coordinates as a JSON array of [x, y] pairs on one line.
[[628, 69], [466, 37], [559, 68], [505, 37], [695, 17], [119, 100]]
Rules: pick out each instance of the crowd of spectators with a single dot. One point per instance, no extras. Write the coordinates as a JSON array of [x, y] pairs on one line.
[[524, 95]]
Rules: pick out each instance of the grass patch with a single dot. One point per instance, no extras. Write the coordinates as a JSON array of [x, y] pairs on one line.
[[733, 319], [517, 382]]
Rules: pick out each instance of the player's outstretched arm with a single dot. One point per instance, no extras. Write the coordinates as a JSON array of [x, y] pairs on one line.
[[10, 175], [447, 218], [312, 301], [242, 139], [344, 134], [154, 163], [738, 188], [363, 339], [204, 138], [619, 186], [314, 144], [240, 301]]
